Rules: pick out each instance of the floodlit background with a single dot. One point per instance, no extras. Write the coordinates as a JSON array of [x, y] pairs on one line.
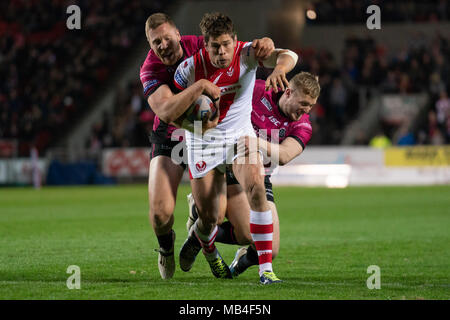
[[383, 116], [72, 112]]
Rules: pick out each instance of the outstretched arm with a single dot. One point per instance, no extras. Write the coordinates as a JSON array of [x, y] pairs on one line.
[[283, 61]]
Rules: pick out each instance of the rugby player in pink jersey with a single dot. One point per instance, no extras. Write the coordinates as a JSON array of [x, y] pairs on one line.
[[232, 65], [167, 49], [281, 121]]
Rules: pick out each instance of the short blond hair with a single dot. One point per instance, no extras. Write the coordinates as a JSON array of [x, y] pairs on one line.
[[155, 20], [307, 83]]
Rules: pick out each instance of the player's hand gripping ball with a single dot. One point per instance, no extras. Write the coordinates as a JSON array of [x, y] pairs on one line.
[[203, 109]]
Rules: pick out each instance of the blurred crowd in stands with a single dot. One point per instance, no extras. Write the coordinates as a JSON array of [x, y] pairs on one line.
[[348, 11], [424, 67], [50, 74], [128, 125]]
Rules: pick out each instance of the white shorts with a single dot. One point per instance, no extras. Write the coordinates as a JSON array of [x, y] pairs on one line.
[[215, 149]]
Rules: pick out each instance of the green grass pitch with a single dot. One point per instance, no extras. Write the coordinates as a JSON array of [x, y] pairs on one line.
[[329, 237]]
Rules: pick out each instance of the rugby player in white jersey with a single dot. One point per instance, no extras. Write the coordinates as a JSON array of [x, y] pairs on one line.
[[231, 65], [281, 122], [167, 50]]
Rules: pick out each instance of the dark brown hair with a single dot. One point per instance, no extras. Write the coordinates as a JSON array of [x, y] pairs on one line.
[[215, 24]]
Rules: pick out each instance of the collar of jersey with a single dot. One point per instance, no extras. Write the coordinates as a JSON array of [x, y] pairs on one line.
[[210, 66]]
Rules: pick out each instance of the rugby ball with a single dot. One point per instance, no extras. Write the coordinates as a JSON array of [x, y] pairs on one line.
[[198, 111]]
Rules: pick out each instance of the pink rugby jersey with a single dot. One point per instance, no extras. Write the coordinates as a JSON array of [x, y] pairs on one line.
[[154, 73], [267, 116]]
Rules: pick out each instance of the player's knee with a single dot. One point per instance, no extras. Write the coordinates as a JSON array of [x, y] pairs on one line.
[[209, 213], [256, 193], [209, 219], [160, 213], [159, 221]]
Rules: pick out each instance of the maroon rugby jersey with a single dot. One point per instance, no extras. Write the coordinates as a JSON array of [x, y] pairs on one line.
[[154, 73], [266, 115], [270, 123]]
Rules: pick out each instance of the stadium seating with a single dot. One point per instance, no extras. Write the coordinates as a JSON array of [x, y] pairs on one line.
[[423, 67], [365, 64], [50, 83], [52, 73], [348, 12]]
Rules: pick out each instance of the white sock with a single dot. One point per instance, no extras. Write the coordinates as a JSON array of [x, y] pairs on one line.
[[207, 241], [261, 229]]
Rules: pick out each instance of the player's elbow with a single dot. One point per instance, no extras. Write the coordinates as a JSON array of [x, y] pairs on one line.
[[167, 118], [166, 114], [160, 108], [284, 158]]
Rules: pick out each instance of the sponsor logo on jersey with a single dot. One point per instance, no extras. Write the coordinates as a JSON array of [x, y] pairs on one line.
[[180, 79], [230, 88], [266, 103], [149, 84], [275, 121], [201, 166], [230, 72], [282, 132], [185, 64]]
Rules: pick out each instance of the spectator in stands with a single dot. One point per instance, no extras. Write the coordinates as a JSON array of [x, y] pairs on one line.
[[432, 132], [338, 100], [443, 108], [405, 136], [447, 131], [436, 85], [38, 107], [380, 140], [389, 84], [345, 12], [67, 67]]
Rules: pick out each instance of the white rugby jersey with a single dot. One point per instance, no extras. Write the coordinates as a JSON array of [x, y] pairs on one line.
[[235, 82]]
